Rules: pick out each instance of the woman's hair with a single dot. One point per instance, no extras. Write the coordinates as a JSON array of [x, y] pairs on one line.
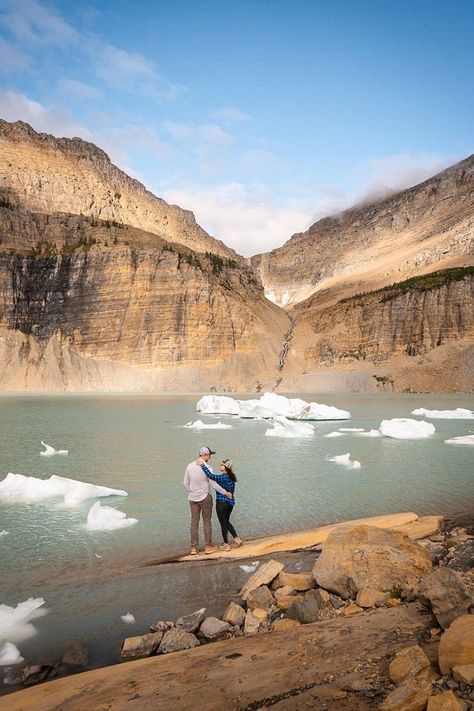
[[228, 467]]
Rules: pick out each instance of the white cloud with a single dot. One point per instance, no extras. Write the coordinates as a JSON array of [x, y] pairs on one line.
[[13, 59], [17, 107], [37, 23], [229, 114], [78, 89], [248, 223], [208, 133], [383, 176]]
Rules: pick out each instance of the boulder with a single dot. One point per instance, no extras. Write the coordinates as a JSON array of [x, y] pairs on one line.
[[446, 701], [143, 645], [262, 576], [352, 609], [445, 592], [359, 556], [322, 596], [305, 608], [285, 590], [260, 597], [412, 695], [261, 615], [190, 623], [162, 626], [175, 640], [457, 644], [368, 597], [234, 614], [437, 551], [212, 628], [36, 673], [464, 673], [298, 581], [408, 663], [463, 557], [285, 624], [251, 624], [284, 602]]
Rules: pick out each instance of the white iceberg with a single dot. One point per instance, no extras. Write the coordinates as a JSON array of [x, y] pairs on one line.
[[128, 618], [51, 452], [271, 405], [200, 425], [106, 518], [336, 433], [217, 405], [369, 433], [356, 431], [282, 427], [458, 414], [15, 622], [345, 460], [17, 487], [404, 428], [464, 439], [9, 654]]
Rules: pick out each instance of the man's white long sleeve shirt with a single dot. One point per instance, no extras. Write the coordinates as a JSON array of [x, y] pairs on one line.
[[197, 483]]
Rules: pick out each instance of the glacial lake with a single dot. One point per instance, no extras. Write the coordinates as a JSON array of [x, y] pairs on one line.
[[138, 443]]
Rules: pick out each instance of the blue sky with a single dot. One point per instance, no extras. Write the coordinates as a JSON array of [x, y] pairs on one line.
[[260, 116]]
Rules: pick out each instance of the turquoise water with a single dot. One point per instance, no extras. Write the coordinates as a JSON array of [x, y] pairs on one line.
[[137, 443]]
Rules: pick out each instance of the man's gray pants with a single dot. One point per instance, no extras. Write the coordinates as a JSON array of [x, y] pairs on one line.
[[203, 507]]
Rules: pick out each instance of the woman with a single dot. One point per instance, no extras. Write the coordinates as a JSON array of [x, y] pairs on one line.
[[224, 506]]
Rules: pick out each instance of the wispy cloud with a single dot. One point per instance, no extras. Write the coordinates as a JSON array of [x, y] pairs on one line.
[[78, 89], [37, 23], [17, 107], [13, 59], [229, 114]]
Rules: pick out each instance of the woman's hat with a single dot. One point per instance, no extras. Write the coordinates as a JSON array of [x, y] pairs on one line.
[[227, 463]]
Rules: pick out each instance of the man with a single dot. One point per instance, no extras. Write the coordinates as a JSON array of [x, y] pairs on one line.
[[200, 500]]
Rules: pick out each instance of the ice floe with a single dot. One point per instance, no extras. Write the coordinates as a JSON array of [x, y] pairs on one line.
[[106, 518], [351, 429], [128, 618], [250, 568], [464, 439], [51, 452], [3, 533], [336, 433], [270, 405], [18, 487], [217, 405], [200, 425], [404, 428], [459, 413], [356, 431], [345, 460], [282, 427], [15, 622], [9, 654]]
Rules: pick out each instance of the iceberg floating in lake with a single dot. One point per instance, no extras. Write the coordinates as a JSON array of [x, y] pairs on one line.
[[51, 452], [17, 487], [270, 405], [404, 428], [106, 518], [217, 405], [464, 439], [356, 431], [459, 413], [199, 425], [282, 427], [345, 460], [15, 622], [336, 433], [9, 655], [128, 619]]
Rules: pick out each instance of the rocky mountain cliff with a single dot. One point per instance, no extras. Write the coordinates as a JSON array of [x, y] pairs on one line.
[[426, 228], [106, 287]]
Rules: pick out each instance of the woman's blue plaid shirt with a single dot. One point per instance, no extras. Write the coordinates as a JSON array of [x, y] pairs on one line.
[[225, 481]]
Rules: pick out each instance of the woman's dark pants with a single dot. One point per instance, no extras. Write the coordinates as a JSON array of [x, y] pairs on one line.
[[224, 511]]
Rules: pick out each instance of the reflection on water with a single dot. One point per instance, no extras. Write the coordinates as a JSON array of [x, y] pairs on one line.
[[89, 579]]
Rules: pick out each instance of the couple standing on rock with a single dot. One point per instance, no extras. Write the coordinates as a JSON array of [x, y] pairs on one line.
[[197, 479]]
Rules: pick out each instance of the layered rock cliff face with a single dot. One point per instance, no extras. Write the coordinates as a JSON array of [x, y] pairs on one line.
[[66, 175], [428, 227]]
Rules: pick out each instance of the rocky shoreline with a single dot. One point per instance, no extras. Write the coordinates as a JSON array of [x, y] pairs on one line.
[[378, 577]]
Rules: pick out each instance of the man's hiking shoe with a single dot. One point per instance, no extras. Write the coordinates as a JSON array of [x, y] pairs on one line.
[[194, 551], [237, 542], [210, 549]]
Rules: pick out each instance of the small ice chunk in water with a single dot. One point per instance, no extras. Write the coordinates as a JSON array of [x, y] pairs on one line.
[[404, 428], [9, 654], [351, 429], [106, 518], [15, 622], [199, 425], [370, 433], [217, 405], [459, 413], [50, 451], [334, 434], [128, 619], [3, 533], [250, 568], [282, 427], [345, 460], [464, 439], [17, 487]]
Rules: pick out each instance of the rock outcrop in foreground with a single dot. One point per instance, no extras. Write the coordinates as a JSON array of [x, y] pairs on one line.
[[107, 287]]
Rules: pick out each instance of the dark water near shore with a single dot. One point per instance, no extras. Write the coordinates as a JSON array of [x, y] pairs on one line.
[[138, 444]]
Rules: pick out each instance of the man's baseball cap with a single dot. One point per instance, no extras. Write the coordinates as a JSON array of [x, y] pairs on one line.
[[205, 450]]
